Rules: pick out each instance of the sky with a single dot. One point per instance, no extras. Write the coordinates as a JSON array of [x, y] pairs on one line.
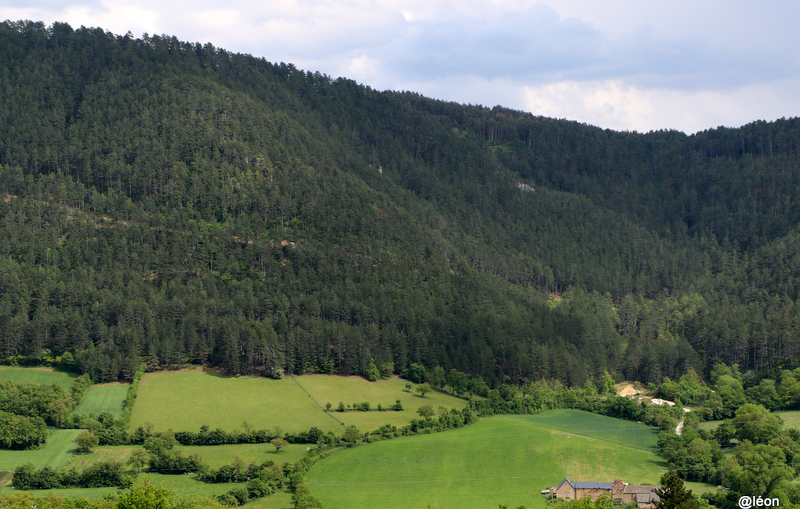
[[634, 65]]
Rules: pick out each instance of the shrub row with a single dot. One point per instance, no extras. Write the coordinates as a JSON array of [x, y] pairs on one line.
[[366, 407], [104, 474]]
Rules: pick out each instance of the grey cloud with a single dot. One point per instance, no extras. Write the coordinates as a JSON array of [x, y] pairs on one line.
[[535, 46], [528, 44]]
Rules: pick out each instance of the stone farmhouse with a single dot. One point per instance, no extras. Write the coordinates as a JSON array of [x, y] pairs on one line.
[[619, 492]]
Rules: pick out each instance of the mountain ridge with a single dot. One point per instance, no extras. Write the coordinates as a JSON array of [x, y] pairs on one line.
[[270, 218]]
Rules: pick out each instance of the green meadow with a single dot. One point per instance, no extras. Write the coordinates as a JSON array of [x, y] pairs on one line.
[[349, 390], [499, 460], [44, 376], [185, 400], [278, 500], [54, 454], [103, 398], [791, 418], [214, 456]]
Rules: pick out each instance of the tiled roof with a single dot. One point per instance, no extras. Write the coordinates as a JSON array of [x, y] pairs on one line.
[[587, 485], [646, 498], [593, 485], [638, 488]]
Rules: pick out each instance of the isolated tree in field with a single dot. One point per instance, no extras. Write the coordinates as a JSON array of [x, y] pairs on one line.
[[423, 389], [137, 460], [425, 411], [86, 441], [409, 386], [278, 443]]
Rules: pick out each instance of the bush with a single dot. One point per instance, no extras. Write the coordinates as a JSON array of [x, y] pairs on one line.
[[241, 495], [228, 499], [258, 489], [86, 441]]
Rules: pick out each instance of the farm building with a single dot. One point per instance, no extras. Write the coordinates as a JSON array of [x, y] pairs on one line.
[[620, 492]]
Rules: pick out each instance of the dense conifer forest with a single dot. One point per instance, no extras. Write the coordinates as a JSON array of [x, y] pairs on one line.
[[181, 203]]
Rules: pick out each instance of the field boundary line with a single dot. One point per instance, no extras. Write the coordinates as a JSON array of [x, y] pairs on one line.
[[574, 433], [316, 402]]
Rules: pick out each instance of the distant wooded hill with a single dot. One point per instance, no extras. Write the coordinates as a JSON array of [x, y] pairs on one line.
[[183, 203]]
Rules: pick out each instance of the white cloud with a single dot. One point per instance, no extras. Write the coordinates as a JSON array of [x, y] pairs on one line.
[[615, 105]]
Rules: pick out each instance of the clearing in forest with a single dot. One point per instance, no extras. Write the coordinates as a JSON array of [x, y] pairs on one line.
[[186, 400], [44, 376], [499, 460]]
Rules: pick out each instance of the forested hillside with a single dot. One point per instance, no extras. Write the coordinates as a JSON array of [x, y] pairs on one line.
[[186, 204]]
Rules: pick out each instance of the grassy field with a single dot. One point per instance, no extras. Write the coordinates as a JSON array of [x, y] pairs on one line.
[[791, 418], [599, 427], [499, 460], [55, 453], [349, 390], [214, 456], [278, 500], [103, 398], [218, 455], [185, 400], [45, 376]]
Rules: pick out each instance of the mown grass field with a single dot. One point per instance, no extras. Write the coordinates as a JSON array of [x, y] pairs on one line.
[[350, 390], [185, 400], [499, 460], [599, 427], [103, 398], [55, 453], [44, 376]]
